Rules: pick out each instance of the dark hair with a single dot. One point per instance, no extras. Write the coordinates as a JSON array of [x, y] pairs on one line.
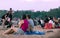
[[46, 20], [29, 16], [10, 8], [51, 18], [24, 16]]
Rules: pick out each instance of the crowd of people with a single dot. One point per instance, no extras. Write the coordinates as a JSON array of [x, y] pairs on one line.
[[27, 23], [48, 22]]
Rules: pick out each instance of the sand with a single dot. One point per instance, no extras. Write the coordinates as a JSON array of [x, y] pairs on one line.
[[54, 34]]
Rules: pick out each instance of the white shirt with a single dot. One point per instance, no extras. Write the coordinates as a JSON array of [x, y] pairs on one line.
[[51, 22], [31, 22], [42, 22]]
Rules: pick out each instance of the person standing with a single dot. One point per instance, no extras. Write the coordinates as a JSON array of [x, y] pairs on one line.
[[9, 15], [7, 18]]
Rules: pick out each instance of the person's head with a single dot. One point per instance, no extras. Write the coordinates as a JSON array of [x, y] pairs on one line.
[[10, 9], [46, 20], [54, 18], [24, 16], [51, 18], [28, 16]]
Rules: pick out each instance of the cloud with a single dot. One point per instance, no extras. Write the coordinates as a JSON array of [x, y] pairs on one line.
[[29, 4]]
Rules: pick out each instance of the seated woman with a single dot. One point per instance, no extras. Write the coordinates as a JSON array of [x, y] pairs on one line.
[[23, 26], [48, 25]]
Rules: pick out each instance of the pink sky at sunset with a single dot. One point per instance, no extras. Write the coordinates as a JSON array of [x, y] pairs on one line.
[[29, 4]]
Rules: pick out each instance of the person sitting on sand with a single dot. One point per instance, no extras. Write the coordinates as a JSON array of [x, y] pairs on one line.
[[31, 23], [47, 24], [4, 17], [51, 21], [23, 26]]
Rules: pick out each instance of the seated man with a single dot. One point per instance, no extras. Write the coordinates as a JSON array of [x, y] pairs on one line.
[[31, 23]]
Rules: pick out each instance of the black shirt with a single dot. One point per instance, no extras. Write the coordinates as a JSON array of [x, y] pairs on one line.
[[8, 15]]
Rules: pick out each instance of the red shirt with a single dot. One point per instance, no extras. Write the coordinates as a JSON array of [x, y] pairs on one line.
[[24, 26], [48, 26]]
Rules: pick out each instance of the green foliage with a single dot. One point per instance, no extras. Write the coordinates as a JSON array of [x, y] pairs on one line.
[[2, 12], [53, 12]]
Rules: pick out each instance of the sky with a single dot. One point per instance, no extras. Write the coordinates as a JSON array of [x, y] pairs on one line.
[[39, 5]]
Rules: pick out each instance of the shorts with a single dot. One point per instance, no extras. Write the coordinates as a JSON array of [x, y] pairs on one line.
[[20, 31]]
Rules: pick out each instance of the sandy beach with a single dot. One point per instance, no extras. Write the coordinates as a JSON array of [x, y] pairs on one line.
[[54, 34]]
